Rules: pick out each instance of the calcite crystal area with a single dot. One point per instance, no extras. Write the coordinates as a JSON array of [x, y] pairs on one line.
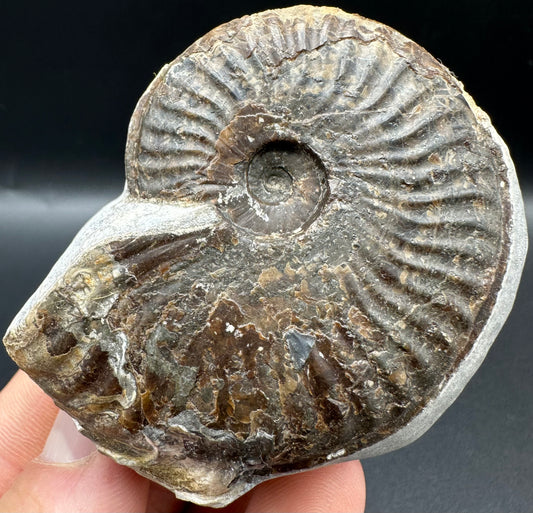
[[320, 237]]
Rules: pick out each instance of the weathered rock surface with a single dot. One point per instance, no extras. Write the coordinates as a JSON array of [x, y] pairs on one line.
[[320, 237]]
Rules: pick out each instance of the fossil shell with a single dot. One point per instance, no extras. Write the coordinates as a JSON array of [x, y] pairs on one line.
[[320, 237]]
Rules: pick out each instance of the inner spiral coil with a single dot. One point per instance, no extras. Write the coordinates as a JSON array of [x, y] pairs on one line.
[[286, 186]]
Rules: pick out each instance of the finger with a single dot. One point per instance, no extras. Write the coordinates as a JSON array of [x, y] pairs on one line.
[[26, 417], [65, 443], [161, 500], [333, 488], [96, 484]]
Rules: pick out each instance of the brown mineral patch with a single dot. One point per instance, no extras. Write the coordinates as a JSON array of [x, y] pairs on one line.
[[268, 276], [289, 271], [361, 322], [434, 158], [398, 377]]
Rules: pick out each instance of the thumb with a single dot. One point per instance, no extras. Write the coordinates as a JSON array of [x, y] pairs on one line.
[[69, 475], [65, 444]]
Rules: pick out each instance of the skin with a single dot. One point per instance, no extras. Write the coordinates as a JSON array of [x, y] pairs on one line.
[[98, 484]]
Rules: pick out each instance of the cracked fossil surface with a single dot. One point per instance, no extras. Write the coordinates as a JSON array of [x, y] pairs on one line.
[[320, 237]]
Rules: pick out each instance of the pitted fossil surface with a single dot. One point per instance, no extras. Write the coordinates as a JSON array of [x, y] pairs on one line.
[[320, 237]]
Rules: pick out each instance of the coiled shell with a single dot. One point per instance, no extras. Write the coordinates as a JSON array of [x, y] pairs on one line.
[[317, 230]]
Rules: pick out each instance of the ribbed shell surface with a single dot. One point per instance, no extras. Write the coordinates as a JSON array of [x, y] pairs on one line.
[[352, 233]]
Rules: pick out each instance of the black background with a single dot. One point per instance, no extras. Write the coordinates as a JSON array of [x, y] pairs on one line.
[[70, 75]]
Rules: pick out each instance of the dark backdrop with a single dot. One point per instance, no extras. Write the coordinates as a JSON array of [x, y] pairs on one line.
[[70, 75]]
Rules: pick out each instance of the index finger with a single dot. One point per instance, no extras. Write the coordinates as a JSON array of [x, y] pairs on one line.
[[26, 417]]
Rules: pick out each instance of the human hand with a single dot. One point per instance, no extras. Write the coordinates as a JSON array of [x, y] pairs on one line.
[[70, 475]]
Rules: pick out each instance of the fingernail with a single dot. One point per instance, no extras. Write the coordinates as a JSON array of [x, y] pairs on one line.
[[65, 443]]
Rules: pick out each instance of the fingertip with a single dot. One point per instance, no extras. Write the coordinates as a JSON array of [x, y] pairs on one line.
[[332, 488], [65, 444]]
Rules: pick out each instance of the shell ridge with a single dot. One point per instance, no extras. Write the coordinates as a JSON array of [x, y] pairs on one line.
[[408, 156], [464, 281], [411, 130], [200, 136], [182, 143], [219, 82], [374, 281], [387, 82], [429, 195], [375, 119], [177, 87], [422, 175], [359, 296], [186, 159], [366, 71], [183, 111], [424, 220], [401, 259]]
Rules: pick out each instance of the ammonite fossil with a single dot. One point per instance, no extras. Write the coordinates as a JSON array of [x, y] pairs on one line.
[[320, 237]]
